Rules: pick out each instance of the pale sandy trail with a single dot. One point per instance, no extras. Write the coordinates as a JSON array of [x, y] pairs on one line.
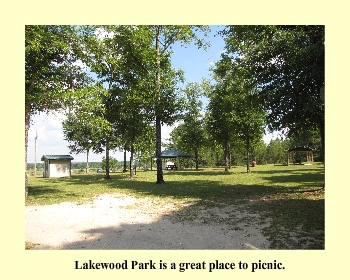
[[124, 222]]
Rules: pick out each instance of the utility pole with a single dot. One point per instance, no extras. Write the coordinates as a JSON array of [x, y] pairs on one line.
[[36, 137]]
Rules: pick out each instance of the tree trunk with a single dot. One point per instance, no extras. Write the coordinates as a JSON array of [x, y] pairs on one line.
[[87, 161], [322, 145], [132, 162], [160, 179], [229, 156], [196, 157], [226, 157], [107, 160], [26, 129], [321, 125], [124, 168], [248, 161]]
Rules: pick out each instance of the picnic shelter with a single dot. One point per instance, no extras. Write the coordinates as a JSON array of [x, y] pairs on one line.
[[171, 154], [301, 149]]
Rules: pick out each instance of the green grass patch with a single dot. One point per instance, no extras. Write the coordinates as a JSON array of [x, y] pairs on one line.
[[291, 197]]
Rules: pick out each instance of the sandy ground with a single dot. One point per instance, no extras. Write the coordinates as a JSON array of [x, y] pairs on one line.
[[124, 222]]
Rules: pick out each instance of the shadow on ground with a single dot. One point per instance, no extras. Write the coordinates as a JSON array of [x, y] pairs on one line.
[[287, 217]]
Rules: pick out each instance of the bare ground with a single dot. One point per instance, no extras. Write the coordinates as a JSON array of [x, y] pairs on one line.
[[120, 221]]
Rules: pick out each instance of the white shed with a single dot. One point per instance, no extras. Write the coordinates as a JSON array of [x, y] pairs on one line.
[[56, 166]]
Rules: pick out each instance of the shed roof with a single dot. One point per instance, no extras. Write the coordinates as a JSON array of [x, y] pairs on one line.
[[171, 153], [300, 149], [64, 157]]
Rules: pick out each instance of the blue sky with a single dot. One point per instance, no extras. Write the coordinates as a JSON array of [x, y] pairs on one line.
[[195, 62]]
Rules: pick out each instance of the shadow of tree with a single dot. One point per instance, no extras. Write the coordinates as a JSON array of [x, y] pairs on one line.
[[282, 214], [282, 223]]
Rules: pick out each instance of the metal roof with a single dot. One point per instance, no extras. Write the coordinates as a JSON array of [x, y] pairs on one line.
[[66, 157], [170, 153]]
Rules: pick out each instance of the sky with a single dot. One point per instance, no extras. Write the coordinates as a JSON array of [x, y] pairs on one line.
[[193, 61]]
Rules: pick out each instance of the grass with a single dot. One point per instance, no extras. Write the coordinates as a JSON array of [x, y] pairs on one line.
[[291, 197]]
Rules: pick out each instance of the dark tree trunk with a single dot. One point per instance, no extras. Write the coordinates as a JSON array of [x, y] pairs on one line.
[[229, 156], [27, 124], [107, 160], [322, 140], [160, 179], [248, 160], [124, 168], [226, 157], [87, 161], [322, 144], [132, 162]]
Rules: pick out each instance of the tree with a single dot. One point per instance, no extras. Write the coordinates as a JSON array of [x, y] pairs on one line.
[[220, 119], [287, 64], [275, 151], [52, 53], [128, 54], [165, 37], [258, 152], [242, 114], [130, 118], [85, 125], [190, 133], [249, 118], [113, 163], [117, 55]]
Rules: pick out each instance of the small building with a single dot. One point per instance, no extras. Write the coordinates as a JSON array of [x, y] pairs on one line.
[[56, 166], [303, 150]]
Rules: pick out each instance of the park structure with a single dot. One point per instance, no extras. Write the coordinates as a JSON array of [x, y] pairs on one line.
[[56, 166], [302, 150]]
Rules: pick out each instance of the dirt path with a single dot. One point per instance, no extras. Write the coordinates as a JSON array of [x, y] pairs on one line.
[[124, 222]]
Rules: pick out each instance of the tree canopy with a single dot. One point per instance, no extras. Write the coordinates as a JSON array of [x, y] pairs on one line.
[[52, 66], [287, 65], [267, 75]]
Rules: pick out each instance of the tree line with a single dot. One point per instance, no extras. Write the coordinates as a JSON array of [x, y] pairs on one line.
[[117, 87]]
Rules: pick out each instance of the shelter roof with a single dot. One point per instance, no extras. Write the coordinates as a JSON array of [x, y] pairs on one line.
[[64, 157], [300, 149], [171, 153]]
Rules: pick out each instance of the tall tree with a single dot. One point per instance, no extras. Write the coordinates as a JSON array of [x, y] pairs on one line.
[[287, 64], [131, 119], [220, 119], [243, 115], [52, 53], [249, 120], [85, 126], [275, 151], [191, 131], [117, 54], [113, 163], [165, 37]]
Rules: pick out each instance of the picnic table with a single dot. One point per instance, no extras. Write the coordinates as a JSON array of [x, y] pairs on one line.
[[171, 167]]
